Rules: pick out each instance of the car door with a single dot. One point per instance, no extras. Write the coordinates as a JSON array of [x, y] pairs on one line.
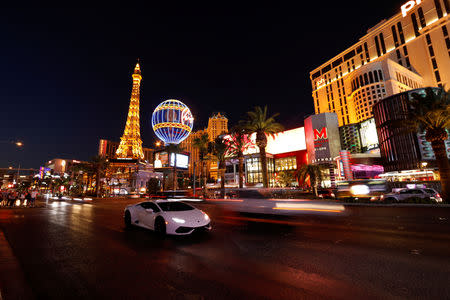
[[419, 194], [151, 212], [404, 194], [140, 213]]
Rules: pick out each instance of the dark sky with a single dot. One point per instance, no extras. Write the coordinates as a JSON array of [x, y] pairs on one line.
[[65, 74]]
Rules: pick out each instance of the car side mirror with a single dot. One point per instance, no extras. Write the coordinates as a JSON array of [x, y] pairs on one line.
[[149, 210]]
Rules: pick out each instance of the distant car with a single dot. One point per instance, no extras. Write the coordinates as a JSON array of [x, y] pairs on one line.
[[167, 217], [134, 195], [326, 194], [405, 194]]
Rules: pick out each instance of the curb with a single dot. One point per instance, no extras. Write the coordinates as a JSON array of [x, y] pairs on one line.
[[12, 280]]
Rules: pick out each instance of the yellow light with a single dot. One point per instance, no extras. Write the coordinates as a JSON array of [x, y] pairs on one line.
[[19, 144]]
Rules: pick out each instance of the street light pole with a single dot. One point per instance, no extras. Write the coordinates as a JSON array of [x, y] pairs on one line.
[[194, 178]]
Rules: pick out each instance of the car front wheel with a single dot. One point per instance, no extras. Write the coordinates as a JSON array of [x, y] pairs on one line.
[[160, 226], [127, 219]]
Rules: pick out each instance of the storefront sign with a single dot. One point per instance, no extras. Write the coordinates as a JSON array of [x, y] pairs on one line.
[[322, 137]]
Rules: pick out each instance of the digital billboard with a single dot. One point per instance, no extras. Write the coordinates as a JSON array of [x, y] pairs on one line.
[[182, 160], [161, 160], [368, 133], [282, 142]]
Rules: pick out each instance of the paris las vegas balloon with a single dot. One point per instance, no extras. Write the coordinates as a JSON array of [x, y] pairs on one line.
[[172, 121]]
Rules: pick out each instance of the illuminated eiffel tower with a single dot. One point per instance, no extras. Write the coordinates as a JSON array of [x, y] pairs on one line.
[[130, 142]]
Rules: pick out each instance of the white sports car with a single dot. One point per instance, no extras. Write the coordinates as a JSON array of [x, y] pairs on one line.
[[167, 217]]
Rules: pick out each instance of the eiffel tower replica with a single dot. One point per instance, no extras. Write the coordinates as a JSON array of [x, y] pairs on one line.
[[130, 143]]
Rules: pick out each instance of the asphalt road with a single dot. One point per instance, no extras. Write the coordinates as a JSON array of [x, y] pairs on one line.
[[82, 251]]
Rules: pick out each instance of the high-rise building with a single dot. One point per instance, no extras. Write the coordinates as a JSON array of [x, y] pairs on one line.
[[402, 150], [130, 142], [407, 51], [217, 125]]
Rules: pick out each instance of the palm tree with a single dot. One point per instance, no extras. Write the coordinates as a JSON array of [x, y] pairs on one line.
[[99, 164], [175, 149], [430, 113], [262, 125], [237, 143], [219, 151], [201, 143], [313, 172], [285, 178]]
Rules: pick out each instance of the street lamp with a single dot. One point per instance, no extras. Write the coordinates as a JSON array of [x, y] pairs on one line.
[[17, 143]]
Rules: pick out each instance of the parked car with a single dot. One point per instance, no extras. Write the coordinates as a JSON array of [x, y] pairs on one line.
[[406, 194]]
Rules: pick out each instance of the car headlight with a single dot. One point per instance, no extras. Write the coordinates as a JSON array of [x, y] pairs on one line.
[[206, 217], [177, 220], [360, 189]]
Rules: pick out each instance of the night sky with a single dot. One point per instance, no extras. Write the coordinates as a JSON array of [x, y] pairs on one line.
[[65, 74]]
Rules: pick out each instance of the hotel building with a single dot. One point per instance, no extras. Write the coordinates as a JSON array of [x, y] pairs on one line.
[[217, 125], [407, 51]]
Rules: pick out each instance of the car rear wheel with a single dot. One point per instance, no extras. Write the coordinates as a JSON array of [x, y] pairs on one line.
[[127, 219], [160, 226], [390, 200]]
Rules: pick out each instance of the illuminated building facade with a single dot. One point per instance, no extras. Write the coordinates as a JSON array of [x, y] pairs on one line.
[[286, 151], [130, 143], [407, 51], [59, 166], [400, 150], [217, 125], [108, 149]]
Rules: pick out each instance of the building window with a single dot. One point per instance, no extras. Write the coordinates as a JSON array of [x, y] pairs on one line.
[[377, 46], [400, 31], [286, 163], [415, 25], [438, 76], [421, 17], [383, 46], [438, 8]]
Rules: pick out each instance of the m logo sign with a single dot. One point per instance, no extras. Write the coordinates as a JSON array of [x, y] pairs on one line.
[[320, 135]]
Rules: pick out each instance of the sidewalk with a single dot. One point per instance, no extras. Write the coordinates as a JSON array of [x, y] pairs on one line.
[[12, 280]]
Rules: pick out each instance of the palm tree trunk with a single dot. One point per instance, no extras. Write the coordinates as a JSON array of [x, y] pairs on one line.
[[222, 178], [241, 170], [204, 179], [313, 186], [443, 165], [97, 185], [262, 153]]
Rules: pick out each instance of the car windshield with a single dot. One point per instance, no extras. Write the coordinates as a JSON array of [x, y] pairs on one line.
[[174, 206]]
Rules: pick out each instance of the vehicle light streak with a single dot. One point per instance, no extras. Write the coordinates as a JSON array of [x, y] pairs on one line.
[[309, 207], [225, 200]]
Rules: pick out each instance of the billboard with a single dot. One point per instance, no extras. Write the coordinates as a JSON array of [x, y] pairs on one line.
[[368, 133], [161, 160], [282, 142], [182, 160]]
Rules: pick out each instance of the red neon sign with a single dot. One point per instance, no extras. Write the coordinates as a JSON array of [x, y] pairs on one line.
[[320, 135]]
